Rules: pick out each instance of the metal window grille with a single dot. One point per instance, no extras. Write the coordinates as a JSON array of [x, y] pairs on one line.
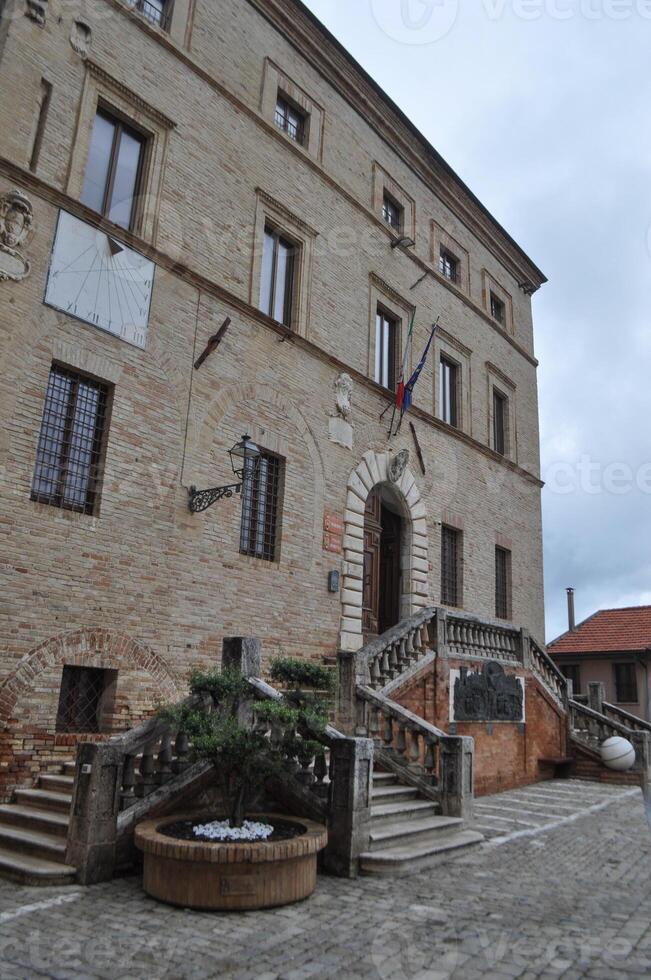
[[449, 266], [386, 339], [449, 383], [625, 684], [155, 11], [502, 583], [498, 309], [450, 566], [261, 508], [500, 416], [290, 120], [80, 699], [71, 441], [392, 212]]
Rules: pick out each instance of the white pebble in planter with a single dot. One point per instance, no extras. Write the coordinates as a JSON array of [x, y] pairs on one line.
[[617, 753]]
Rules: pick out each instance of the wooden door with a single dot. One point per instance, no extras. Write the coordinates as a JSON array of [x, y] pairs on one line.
[[390, 582], [372, 547]]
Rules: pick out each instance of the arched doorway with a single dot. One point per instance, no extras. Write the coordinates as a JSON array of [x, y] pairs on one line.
[[382, 581]]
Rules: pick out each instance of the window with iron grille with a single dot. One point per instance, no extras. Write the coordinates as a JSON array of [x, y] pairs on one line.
[[392, 212], [625, 683], [449, 391], [261, 508], [155, 11], [502, 583], [573, 673], [498, 309], [500, 422], [279, 265], [114, 170], [386, 342], [71, 443], [85, 699], [291, 120], [451, 549], [449, 265]]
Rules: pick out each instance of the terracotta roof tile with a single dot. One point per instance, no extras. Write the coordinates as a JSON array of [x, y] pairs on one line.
[[606, 630]]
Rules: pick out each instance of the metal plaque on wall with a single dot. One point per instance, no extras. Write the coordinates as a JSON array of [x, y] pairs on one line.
[[489, 694]]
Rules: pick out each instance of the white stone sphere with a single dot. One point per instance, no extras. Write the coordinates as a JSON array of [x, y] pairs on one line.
[[617, 753]]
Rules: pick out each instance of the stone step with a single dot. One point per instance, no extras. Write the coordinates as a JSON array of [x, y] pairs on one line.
[[20, 839], [399, 812], [393, 794], [384, 779], [412, 858], [33, 818], [69, 768], [44, 799], [399, 832], [56, 783], [29, 870]]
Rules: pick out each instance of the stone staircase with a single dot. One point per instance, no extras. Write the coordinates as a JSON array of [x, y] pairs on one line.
[[408, 832], [33, 831]]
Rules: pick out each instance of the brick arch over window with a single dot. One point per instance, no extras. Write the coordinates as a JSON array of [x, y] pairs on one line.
[[86, 647], [373, 471]]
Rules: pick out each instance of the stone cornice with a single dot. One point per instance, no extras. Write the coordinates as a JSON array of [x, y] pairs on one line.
[[52, 195], [314, 42], [132, 97]]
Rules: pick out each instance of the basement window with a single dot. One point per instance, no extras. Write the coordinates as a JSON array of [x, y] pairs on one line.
[[85, 700]]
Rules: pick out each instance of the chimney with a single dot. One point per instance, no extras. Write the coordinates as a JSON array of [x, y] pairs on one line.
[[571, 616]]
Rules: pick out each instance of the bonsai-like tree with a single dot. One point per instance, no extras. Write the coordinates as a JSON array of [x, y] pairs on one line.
[[249, 741]]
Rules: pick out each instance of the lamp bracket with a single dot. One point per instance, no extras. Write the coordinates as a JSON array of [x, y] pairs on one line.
[[200, 500]]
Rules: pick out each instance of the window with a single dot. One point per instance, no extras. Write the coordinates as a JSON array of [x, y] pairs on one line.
[[291, 120], [500, 422], [449, 385], [261, 509], [498, 309], [386, 340], [451, 545], [625, 683], [449, 265], [85, 698], [573, 673], [114, 170], [278, 277], [502, 583], [392, 212], [71, 443], [154, 11]]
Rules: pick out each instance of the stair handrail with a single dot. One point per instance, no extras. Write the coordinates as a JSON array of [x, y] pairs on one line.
[[597, 725], [547, 672], [634, 723], [385, 656]]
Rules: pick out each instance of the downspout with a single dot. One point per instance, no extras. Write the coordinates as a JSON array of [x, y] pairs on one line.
[[643, 663]]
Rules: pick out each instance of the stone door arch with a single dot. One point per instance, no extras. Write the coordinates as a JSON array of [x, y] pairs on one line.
[[375, 470]]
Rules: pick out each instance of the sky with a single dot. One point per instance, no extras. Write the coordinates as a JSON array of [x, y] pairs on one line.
[[542, 108]]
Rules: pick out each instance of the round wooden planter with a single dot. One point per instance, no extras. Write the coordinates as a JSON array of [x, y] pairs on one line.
[[199, 875]]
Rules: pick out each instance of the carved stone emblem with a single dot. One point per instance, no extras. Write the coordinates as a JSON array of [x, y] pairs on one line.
[[36, 10], [488, 696], [80, 38], [398, 465], [16, 220], [343, 395]]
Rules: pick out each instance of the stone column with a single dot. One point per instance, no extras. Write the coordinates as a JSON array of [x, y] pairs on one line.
[[596, 696], [92, 832], [242, 653], [349, 822], [457, 776]]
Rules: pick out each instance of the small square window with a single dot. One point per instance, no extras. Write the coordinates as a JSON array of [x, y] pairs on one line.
[[85, 699], [386, 349], [451, 551], [449, 392], [449, 266], [71, 443], [502, 583], [392, 212], [498, 309], [279, 271], [291, 120], [261, 506]]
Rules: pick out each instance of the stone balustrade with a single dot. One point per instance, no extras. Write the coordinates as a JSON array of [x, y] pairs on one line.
[[632, 722], [469, 637], [591, 727], [546, 671]]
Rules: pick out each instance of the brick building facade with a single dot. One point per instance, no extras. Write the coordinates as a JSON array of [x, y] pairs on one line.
[[272, 177]]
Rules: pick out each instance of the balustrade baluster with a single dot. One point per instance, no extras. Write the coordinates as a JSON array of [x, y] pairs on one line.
[[375, 672], [401, 741], [147, 778], [411, 651], [403, 656], [164, 760], [374, 723], [430, 756], [128, 795], [393, 661], [414, 750], [385, 670], [320, 768], [182, 753], [387, 730]]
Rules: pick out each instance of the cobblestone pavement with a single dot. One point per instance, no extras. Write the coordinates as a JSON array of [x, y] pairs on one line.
[[572, 900]]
